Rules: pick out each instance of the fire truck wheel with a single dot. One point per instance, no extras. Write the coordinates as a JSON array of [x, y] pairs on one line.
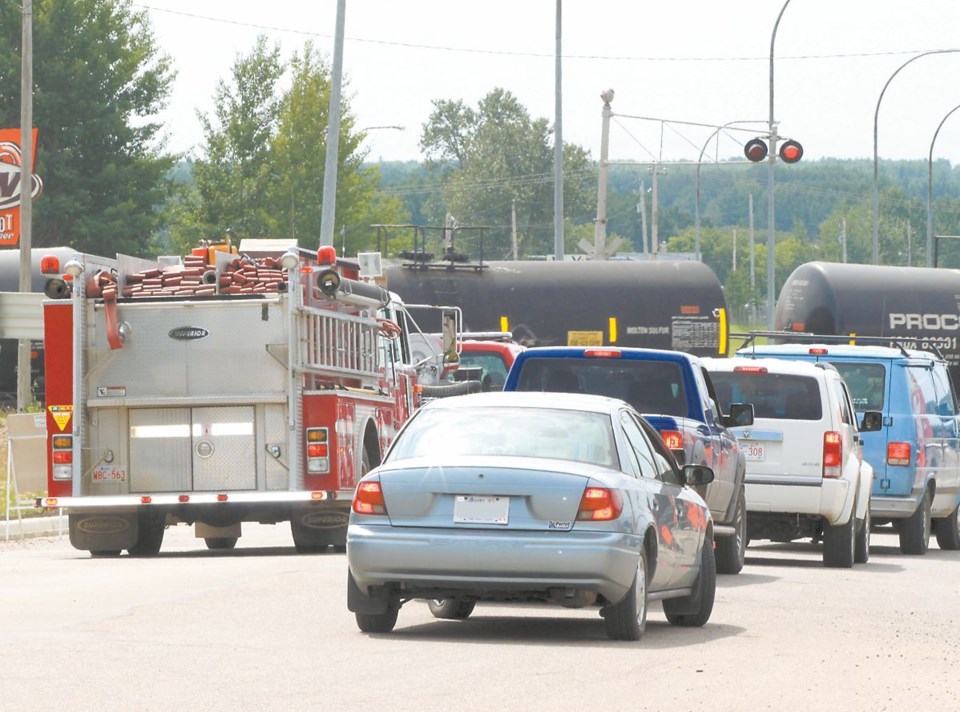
[[105, 553], [150, 536], [215, 542], [377, 622]]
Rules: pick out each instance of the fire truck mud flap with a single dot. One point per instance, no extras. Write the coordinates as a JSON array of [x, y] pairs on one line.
[[316, 527], [105, 531]]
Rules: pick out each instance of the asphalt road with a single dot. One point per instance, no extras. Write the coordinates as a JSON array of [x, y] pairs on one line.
[[261, 628]]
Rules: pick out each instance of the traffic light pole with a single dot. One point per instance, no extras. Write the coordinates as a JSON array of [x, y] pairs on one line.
[[771, 209]]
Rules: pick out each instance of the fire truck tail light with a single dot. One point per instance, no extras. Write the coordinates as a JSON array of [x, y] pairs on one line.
[[898, 454], [63, 442], [316, 435], [369, 498], [183, 499], [146, 499], [222, 498], [62, 457], [318, 460], [600, 504], [317, 450], [832, 454], [673, 439], [50, 502]]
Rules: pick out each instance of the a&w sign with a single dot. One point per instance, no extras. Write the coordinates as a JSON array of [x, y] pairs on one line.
[[10, 188]]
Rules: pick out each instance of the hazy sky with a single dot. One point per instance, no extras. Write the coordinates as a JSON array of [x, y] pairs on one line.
[[698, 61]]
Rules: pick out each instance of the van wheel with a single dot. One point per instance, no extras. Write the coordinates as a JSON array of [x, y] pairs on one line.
[[915, 530], [862, 552], [948, 530], [732, 550], [839, 543]]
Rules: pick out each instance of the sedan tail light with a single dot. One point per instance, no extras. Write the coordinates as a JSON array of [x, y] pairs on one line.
[[832, 454], [369, 498], [600, 504], [898, 454]]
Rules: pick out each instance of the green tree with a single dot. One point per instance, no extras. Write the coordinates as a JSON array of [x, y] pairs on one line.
[[498, 162], [99, 82]]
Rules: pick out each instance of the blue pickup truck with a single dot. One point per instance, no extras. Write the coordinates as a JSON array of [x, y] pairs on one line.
[[674, 393]]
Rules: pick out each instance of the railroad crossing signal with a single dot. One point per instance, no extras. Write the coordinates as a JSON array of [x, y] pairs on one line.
[[756, 150]]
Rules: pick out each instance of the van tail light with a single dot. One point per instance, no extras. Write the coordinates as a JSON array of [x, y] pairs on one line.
[[832, 454], [369, 498], [673, 439], [898, 454], [600, 504]]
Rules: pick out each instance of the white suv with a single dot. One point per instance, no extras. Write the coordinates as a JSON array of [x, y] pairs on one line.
[[806, 476]]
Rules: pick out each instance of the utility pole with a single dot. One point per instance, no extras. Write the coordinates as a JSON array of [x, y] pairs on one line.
[[734, 249], [753, 283], [328, 206], [909, 245], [513, 231], [557, 152], [642, 207], [843, 239], [654, 241], [600, 227], [24, 391]]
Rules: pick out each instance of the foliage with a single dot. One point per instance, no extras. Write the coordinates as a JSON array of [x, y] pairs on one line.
[[262, 171], [99, 79], [496, 162]]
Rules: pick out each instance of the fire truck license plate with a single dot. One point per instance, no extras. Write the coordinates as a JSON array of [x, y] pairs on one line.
[[753, 453], [108, 474], [473, 509]]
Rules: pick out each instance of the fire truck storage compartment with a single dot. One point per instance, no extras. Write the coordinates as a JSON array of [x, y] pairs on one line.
[[197, 350]]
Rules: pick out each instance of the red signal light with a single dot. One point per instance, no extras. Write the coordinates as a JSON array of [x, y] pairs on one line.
[[791, 151], [600, 504], [832, 454], [369, 498], [49, 264], [755, 150]]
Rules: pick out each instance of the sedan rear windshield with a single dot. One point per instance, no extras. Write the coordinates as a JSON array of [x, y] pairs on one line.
[[515, 432], [773, 395]]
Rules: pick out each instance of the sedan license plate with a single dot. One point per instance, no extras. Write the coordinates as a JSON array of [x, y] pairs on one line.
[[753, 453], [474, 509]]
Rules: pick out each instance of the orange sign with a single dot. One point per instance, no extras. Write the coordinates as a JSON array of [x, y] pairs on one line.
[[10, 188]]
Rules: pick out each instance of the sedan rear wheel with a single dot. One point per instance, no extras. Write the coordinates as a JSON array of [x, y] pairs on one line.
[[453, 609], [627, 619], [377, 622]]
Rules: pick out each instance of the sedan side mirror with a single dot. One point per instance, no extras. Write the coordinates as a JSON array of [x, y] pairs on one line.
[[872, 421], [694, 475], [740, 415]]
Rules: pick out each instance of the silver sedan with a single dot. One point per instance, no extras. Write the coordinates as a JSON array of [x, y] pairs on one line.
[[562, 498]]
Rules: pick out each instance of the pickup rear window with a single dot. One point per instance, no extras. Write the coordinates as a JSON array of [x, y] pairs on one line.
[[774, 395], [652, 387]]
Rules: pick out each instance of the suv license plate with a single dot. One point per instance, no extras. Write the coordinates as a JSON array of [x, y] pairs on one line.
[[473, 509], [753, 453]]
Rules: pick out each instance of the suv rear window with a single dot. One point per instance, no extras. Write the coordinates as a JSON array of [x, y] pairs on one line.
[[774, 395], [652, 387], [866, 381]]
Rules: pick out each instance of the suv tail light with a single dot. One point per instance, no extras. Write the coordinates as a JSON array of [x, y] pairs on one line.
[[832, 454], [898, 454], [369, 498], [600, 504]]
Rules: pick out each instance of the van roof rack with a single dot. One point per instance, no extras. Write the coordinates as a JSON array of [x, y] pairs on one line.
[[896, 342]]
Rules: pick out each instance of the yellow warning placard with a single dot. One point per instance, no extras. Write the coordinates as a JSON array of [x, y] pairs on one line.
[[61, 415], [584, 338]]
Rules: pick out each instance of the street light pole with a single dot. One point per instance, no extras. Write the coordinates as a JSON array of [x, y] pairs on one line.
[[600, 227], [930, 188], [771, 210], [876, 115], [699, 161], [328, 205], [558, 149]]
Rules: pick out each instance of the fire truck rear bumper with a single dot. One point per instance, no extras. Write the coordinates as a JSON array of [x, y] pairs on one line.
[[193, 498]]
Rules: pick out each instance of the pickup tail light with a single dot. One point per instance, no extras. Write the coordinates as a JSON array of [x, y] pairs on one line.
[[600, 504], [369, 498], [673, 439], [832, 454], [898, 454]]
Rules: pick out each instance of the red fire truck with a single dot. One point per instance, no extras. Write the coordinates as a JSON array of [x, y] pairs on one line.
[[221, 388]]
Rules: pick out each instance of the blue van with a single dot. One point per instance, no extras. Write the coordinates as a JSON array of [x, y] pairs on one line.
[[916, 454]]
